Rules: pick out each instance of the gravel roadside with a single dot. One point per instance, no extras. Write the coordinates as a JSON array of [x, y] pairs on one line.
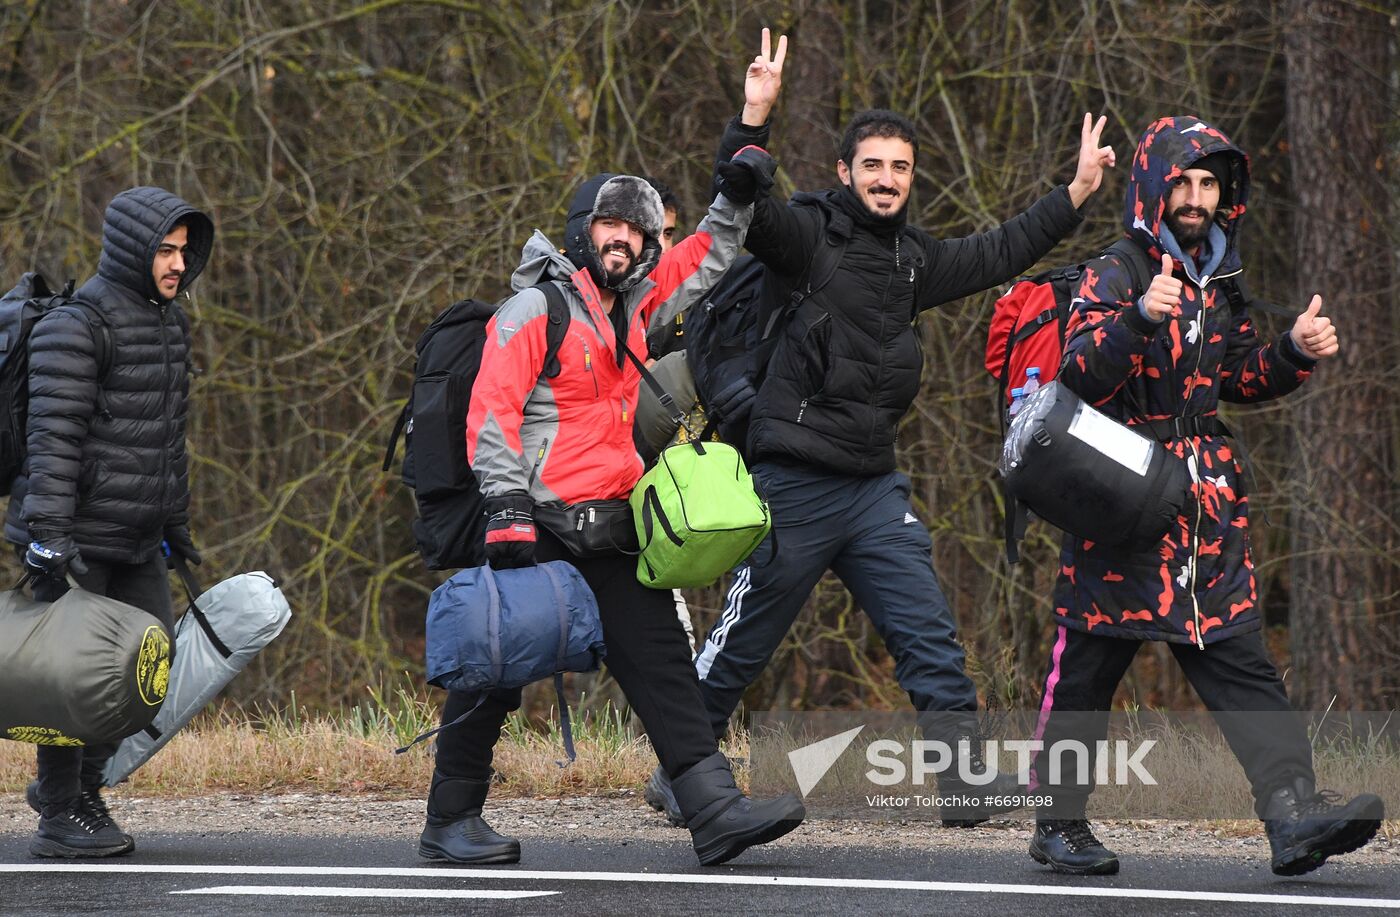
[[627, 818]]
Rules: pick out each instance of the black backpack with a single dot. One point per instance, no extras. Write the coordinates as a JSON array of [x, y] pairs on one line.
[[731, 334], [450, 524], [20, 308]]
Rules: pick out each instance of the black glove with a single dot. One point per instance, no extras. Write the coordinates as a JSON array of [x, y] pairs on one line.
[[510, 531], [53, 555], [179, 544], [733, 403], [748, 174]]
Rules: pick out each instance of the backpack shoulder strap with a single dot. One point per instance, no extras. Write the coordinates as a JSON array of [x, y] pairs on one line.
[[826, 258], [557, 312], [101, 333], [1135, 260], [1237, 292]]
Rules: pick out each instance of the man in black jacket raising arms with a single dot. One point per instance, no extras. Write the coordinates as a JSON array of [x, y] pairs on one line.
[[104, 482], [823, 422]]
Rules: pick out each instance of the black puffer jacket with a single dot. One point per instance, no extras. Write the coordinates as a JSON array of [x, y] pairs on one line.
[[106, 463], [847, 366]]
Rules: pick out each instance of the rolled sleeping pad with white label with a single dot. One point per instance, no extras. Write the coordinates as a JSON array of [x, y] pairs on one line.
[[1088, 474]]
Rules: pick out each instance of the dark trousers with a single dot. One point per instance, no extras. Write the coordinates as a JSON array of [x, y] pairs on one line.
[[865, 531], [648, 654], [64, 772], [1233, 678]]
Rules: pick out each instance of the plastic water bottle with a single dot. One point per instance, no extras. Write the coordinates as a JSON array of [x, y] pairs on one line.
[[1032, 380], [1018, 398]]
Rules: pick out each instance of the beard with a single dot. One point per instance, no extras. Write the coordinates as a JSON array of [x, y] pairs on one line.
[[885, 216], [1188, 237], [618, 275]]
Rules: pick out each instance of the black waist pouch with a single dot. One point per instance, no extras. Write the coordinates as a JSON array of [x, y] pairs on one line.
[[592, 528]]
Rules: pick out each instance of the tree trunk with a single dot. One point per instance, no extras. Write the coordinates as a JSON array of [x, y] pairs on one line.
[[1344, 616]]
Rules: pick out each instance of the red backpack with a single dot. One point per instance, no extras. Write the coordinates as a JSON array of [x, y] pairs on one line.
[[1029, 322]]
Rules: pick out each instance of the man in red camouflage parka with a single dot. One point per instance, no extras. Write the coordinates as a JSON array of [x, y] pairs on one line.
[[1161, 359]]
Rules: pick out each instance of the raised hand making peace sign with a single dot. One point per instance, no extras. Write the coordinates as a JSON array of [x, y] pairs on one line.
[[763, 80], [1093, 159]]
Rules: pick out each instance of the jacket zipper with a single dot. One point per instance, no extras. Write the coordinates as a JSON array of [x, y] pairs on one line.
[[1196, 475], [539, 459], [588, 365], [825, 317], [880, 369], [164, 409]]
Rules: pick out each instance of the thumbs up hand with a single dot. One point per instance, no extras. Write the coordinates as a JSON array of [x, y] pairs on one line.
[[1313, 333], [1164, 293]]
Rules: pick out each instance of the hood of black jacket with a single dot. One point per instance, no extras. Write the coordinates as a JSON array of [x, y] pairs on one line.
[[135, 223], [1168, 148]]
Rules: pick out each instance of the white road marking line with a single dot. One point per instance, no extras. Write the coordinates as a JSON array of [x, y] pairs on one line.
[[519, 875], [314, 891]]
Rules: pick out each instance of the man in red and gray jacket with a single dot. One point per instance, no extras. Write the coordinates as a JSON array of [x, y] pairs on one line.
[[549, 443]]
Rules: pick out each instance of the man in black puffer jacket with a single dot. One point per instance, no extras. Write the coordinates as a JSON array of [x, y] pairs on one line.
[[104, 482], [822, 427]]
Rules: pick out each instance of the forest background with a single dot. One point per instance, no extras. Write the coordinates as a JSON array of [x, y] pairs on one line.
[[367, 163]]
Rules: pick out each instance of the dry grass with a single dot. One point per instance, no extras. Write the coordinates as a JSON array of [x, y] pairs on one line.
[[353, 752]]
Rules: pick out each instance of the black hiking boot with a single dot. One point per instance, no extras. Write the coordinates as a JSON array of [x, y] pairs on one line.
[[968, 805], [659, 796], [75, 833], [456, 831], [723, 822], [1305, 827], [1071, 848], [92, 805]]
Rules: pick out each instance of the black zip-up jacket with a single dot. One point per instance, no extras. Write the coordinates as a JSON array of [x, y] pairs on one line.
[[847, 365], [106, 462]]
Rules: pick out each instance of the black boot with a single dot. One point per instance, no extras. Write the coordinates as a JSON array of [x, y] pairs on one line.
[[456, 831], [662, 798], [1071, 848], [723, 822], [967, 805], [1306, 827]]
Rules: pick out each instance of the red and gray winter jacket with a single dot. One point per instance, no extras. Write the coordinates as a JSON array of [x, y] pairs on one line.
[[1197, 585], [567, 439]]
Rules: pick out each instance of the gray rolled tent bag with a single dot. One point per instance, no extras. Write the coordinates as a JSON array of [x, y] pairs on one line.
[[81, 670], [218, 635]]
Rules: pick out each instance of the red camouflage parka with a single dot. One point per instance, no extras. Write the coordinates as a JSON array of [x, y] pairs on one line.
[[1197, 585]]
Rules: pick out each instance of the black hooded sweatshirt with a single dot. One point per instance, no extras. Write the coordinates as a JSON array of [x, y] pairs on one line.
[[106, 459]]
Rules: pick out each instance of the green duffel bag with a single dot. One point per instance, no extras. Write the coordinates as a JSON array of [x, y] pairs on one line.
[[697, 515], [81, 670]]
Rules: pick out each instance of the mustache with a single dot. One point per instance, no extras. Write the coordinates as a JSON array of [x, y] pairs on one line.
[[620, 247], [1191, 211], [882, 189]]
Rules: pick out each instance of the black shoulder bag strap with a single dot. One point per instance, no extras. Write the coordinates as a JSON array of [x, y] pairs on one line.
[[673, 411]]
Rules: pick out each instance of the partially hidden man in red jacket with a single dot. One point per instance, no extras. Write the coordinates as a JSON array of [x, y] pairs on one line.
[[540, 445], [1161, 359]]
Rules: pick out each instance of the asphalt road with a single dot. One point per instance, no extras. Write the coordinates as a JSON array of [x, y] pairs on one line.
[[248, 874]]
